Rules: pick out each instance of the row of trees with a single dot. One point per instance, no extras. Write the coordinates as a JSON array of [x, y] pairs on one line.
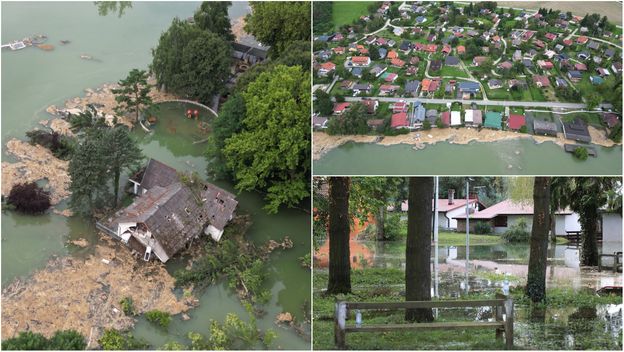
[[584, 195]]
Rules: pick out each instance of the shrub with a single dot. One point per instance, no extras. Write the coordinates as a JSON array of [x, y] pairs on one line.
[[392, 227], [426, 125], [439, 123], [29, 198], [113, 339], [581, 153], [482, 228], [523, 129], [61, 146], [616, 133], [159, 318], [67, 340], [127, 306], [25, 340], [517, 232]]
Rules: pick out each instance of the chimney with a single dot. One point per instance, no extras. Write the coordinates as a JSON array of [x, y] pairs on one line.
[[451, 196]]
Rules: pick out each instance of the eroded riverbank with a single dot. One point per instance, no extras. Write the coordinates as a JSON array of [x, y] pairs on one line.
[[323, 142]]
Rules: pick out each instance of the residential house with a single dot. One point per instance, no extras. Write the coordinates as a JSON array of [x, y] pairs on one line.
[[610, 119], [583, 55], [559, 48], [168, 214], [386, 89], [469, 89], [500, 216], [609, 53], [596, 80], [399, 120], [593, 45], [456, 118], [411, 70], [378, 70], [597, 59], [549, 54], [347, 84], [357, 72], [545, 65], [577, 130], [360, 61], [391, 43], [507, 65], [495, 83], [580, 67], [326, 68], [362, 88], [411, 87], [389, 77], [527, 35], [400, 106], [398, 31], [545, 128], [341, 108], [602, 71], [446, 49], [473, 117], [516, 122], [421, 19], [479, 60], [339, 50], [517, 55], [550, 36], [528, 63], [397, 63], [449, 208], [419, 114], [445, 117], [461, 50], [414, 60], [432, 38], [405, 47], [561, 83], [382, 53], [575, 76], [517, 84], [582, 40], [250, 55], [392, 55], [541, 81], [451, 61], [319, 121], [371, 105], [431, 48], [430, 85], [436, 65], [616, 67], [493, 120], [370, 40], [375, 124]]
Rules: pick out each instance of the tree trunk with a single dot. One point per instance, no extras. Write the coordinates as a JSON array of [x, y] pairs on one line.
[[339, 256], [116, 186], [418, 247], [589, 242], [538, 255], [380, 218]]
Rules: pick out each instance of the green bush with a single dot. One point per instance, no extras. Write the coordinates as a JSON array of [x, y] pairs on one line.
[[426, 125], [127, 306], [523, 129], [26, 340], [67, 340], [517, 232], [581, 153], [482, 228], [392, 226], [158, 318], [113, 339]]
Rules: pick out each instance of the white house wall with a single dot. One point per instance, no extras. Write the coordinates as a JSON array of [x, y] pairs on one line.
[[512, 219], [572, 222], [612, 228]]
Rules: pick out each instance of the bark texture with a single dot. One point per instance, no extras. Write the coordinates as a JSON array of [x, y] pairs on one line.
[[339, 255], [538, 255], [418, 247]]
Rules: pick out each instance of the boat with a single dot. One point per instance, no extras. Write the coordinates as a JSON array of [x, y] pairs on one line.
[[86, 57]]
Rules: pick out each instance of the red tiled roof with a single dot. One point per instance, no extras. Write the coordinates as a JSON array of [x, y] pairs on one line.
[[461, 49], [397, 62], [341, 106], [399, 120], [580, 67], [360, 59], [506, 207], [582, 39], [516, 121], [328, 66], [567, 42], [446, 118]]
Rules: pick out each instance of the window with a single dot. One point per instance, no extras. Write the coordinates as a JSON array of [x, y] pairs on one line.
[[500, 221]]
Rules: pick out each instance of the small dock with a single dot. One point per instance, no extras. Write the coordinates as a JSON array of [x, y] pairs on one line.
[[570, 148], [17, 45]]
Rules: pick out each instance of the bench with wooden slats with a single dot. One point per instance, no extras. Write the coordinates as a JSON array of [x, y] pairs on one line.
[[502, 325]]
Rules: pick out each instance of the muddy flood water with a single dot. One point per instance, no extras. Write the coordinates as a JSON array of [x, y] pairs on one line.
[[551, 328], [38, 79]]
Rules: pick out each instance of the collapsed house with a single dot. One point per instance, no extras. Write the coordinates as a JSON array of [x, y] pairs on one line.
[[168, 214]]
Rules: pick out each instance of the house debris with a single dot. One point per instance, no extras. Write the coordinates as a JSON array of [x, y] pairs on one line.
[[169, 213]]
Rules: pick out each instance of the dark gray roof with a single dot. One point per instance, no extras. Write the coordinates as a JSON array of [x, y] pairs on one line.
[[451, 60], [158, 174], [577, 130], [544, 127], [412, 86], [241, 51]]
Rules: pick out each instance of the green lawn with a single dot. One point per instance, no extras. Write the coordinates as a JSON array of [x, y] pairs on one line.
[[345, 12], [458, 239], [453, 72]]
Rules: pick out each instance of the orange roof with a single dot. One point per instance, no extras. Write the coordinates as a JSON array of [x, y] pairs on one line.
[[328, 66], [392, 55], [397, 62], [461, 49], [360, 59], [425, 84]]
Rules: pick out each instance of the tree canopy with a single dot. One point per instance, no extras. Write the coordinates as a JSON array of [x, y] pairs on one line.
[[212, 16], [191, 62], [133, 93], [278, 23], [272, 151]]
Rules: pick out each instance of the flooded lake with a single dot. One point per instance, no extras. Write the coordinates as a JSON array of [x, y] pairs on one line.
[[512, 157], [34, 79]]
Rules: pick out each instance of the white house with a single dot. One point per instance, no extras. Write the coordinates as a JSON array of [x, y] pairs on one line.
[[449, 208], [455, 118]]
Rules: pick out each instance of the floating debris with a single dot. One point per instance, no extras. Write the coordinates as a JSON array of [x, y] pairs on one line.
[[65, 42], [46, 47], [86, 57]]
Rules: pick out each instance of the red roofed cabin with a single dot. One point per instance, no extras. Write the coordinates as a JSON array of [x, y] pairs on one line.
[[340, 108], [360, 61], [399, 120], [516, 121]]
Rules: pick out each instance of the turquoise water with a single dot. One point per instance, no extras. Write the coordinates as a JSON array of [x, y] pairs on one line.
[[33, 79], [513, 157]]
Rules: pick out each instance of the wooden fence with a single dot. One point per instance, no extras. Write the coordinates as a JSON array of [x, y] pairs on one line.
[[499, 306]]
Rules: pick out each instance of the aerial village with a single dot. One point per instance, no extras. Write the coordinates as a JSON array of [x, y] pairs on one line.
[[423, 65]]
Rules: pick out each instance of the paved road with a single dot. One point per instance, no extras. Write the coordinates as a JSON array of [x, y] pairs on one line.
[[529, 104]]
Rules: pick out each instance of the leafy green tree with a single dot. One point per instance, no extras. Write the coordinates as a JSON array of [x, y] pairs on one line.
[[352, 121], [88, 170], [158, 318], [133, 94], [272, 151], [25, 340], [277, 23], [106, 7], [113, 339], [338, 226], [212, 16], [183, 64], [228, 123], [67, 340], [581, 153], [121, 153], [372, 195], [323, 102], [297, 53], [536, 279]]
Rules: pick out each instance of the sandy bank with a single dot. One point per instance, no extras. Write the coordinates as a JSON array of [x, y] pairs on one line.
[[324, 142], [84, 294], [35, 163]]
